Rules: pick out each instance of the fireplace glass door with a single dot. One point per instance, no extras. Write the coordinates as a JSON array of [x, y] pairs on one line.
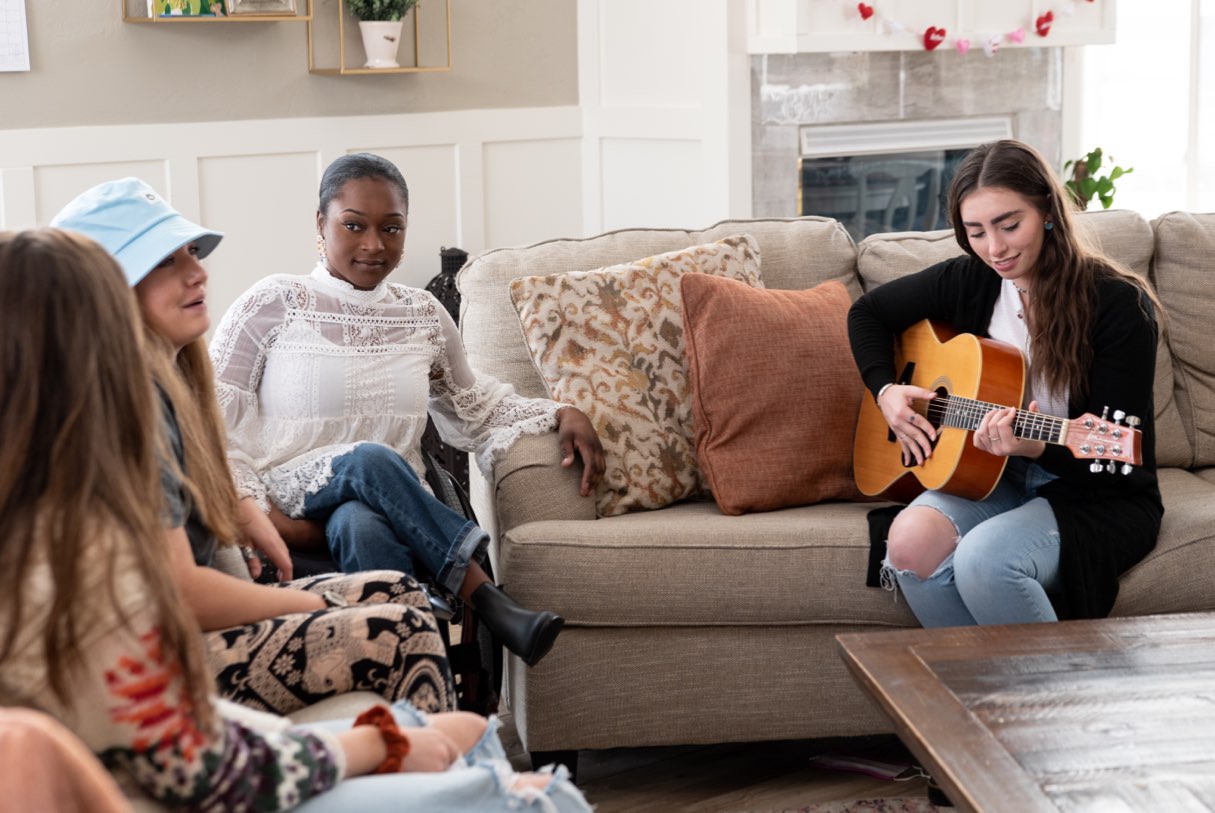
[[870, 194]]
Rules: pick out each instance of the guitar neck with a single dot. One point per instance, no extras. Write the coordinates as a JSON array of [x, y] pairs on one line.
[[966, 413]]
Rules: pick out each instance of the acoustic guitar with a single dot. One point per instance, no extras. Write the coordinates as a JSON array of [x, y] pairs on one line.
[[972, 376]]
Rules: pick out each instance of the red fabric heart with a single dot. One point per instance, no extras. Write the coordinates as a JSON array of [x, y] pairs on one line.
[[933, 37], [866, 11], [1042, 24]]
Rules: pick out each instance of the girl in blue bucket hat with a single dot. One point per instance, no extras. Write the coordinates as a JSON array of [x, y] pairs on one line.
[[272, 649]]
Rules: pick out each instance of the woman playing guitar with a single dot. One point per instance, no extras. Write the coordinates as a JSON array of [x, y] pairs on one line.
[[1054, 535]]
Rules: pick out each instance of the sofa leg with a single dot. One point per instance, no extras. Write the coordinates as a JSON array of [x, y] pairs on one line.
[[567, 758]]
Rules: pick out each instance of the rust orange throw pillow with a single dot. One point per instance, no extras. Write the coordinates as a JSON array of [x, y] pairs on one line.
[[775, 392]]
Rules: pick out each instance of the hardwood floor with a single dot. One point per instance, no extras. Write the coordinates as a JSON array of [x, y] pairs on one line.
[[732, 778]]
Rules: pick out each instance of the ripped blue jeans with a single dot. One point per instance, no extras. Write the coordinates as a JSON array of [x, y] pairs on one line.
[[1006, 563], [482, 781]]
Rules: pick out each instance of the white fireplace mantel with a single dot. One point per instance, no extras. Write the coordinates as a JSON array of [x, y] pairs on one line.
[[800, 26]]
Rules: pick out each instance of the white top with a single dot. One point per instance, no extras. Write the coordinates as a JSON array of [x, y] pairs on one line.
[[1008, 325], [308, 367]]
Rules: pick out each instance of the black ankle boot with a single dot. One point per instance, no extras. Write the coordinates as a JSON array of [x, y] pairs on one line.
[[936, 796], [530, 635]]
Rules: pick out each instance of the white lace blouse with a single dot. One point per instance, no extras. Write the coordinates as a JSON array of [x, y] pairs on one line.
[[308, 367]]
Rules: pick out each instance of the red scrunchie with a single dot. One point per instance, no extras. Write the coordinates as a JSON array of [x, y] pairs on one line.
[[396, 742]]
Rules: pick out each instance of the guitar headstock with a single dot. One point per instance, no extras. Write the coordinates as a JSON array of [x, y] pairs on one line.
[[1099, 439]]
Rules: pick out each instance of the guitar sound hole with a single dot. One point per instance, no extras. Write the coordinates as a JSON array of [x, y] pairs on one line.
[[934, 411]]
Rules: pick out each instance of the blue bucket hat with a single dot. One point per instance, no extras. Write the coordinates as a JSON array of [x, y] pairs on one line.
[[135, 224]]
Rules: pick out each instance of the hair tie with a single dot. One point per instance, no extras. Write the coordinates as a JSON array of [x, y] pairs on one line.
[[394, 740]]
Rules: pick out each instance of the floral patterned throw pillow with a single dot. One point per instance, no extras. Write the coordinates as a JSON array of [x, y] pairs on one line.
[[610, 342]]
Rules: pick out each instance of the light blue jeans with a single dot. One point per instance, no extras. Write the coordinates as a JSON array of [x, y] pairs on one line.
[[1006, 562], [478, 782], [378, 516]]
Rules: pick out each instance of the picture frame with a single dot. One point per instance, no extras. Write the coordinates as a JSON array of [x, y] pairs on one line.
[[186, 8], [284, 8]]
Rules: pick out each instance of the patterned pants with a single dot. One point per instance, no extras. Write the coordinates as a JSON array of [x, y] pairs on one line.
[[386, 642]]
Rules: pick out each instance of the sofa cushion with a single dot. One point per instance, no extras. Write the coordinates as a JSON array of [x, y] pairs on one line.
[[1182, 271], [798, 253], [775, 392], [610, 342], [1125, 236], [1176, 575], [689, 564]]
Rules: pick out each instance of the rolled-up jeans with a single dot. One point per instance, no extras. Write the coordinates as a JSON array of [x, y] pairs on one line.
[[1006, 563], [482, 781], [379, 516]]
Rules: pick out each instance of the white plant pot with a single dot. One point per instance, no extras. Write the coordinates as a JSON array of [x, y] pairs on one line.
[[381, 40]]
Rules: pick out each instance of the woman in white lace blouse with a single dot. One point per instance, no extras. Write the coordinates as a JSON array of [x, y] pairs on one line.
[[326, 381]]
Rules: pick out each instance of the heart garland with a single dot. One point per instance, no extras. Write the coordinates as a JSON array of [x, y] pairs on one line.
[[934, 36]]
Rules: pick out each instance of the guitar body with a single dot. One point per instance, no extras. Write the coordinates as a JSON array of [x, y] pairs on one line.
[[934, 356]]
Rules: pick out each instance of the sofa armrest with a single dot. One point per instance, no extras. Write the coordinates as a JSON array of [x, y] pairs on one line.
[[530, 484]]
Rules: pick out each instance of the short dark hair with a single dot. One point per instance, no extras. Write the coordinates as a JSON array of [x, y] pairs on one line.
[[359, 165]]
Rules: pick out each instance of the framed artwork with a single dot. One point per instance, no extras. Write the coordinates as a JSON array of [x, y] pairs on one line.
[[186, 8], [261, 6]]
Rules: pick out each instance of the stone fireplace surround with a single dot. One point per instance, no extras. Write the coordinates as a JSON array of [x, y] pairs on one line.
[[793, 90]]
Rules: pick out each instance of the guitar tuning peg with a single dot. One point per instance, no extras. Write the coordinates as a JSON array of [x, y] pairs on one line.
[[1119, 415], [1105, 412], [1127, 468], [1095, 467], [1109, 467], [1131, 420]]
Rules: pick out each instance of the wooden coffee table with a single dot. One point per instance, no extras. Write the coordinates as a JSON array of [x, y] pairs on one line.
[[1108, 715]]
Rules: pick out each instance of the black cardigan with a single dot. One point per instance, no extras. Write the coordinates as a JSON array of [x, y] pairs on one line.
[[1107, 522]]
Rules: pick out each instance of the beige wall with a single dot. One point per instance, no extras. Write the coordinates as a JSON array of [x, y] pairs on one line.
[[89, 67]]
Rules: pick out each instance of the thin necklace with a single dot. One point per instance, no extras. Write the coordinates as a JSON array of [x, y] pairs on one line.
[[1019, 289]]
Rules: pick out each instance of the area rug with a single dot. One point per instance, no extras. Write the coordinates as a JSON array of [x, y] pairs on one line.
[[895, 805]]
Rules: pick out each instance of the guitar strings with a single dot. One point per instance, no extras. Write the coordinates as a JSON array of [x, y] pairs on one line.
[[966, 413]]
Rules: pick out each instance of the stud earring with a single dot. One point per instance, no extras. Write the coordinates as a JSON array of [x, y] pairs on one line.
[[320, 246], [1048, 225]]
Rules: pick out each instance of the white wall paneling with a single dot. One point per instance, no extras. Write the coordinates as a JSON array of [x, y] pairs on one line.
[[257, 180], [655, 182], [550, 171], [264, 204], [665, 100]]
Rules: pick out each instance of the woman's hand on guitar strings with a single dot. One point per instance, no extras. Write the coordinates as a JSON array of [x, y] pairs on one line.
[[996, 434], [914, 432]]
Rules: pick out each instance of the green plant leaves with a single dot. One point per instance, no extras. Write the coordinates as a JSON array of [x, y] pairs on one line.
[[1085, 183], [383, 10]]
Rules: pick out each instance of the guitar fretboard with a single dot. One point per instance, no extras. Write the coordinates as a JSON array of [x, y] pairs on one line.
[[965, 413]]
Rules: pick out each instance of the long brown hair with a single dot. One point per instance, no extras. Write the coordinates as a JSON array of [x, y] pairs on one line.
[[1068, 270], [79, 457], [188, 380]]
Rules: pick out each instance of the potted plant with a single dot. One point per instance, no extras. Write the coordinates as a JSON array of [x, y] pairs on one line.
[[1085, 184], [380, 24]]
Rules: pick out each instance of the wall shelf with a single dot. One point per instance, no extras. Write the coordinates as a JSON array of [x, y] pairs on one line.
[[136, 11], [336, 33]]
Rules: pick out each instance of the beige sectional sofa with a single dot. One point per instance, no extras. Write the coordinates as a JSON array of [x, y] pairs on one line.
[[688, 626]]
